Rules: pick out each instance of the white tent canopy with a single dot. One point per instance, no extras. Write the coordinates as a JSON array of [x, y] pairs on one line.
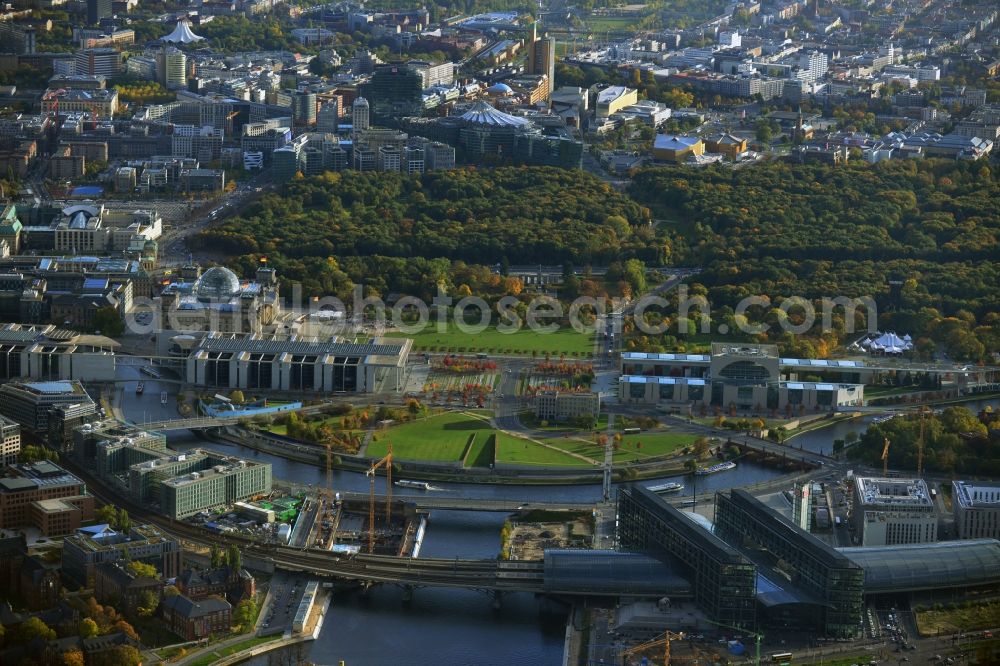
[[887, 343], [182, 34]]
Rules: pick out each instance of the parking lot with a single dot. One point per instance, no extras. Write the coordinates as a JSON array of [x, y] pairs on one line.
[[286, 593]]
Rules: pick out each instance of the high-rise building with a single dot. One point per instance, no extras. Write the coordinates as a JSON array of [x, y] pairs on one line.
[[360, 115], [304, 107], [542, 56], [30, 404], [328, 116], [174, 69], [105, 61], [394, 92], [97, 10], [10, 441]]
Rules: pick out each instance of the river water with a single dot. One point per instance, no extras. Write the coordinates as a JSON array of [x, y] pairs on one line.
[[442, 626], [457, 627]]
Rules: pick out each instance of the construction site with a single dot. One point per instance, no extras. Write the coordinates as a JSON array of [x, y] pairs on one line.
[[379, 525]]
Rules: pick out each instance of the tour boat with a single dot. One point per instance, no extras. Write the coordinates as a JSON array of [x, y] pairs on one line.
[[721, 467], [406, 483], [671, 487]]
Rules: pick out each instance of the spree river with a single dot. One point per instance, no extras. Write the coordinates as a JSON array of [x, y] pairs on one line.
[[445, 626], [457, 627]]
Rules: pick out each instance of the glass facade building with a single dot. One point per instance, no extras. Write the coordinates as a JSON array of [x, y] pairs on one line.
[[723, 581], [835, 581]]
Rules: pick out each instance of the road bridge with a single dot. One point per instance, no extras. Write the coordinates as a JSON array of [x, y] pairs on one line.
[[454, 502]]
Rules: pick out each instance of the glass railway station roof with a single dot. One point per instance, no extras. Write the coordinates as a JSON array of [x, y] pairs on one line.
[[611, 571], [888, 569], [928, 566]]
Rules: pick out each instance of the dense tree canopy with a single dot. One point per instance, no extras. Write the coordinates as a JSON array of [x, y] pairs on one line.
[[816, 231], [956, 440], [403, 232]]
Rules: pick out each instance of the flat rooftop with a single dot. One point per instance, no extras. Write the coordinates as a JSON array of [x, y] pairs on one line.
[[977, 494], [893, 493], [212, 472]]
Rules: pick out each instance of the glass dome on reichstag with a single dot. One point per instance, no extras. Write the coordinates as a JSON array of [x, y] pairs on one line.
[[216, 284]]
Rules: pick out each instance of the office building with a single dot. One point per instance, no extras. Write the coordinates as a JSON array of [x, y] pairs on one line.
[[304, 108], [92, 546], [17, 39], [50, 353], [141, 67], [360, 116], [889, 512], [109, 448], [103, 103], [216, 487], [393, 92], [152, 467], [434, 75], [299, 365], [542, 57], [97, 10], [976, 505], [438, 156], [328, 116], [173, 68], [824, 589], [30, 404], [45, 496], [10, 441], [104, 61], [566, 405], [747, 377], [723, 581]]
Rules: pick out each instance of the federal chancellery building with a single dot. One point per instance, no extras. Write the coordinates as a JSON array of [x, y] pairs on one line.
[[747, 376]]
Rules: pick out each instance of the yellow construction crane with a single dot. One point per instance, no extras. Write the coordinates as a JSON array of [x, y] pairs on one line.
[[885, 458], [663, 640], [387, 463]]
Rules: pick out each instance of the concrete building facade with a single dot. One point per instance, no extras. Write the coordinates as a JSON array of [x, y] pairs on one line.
[[890, 512], [976, 505]]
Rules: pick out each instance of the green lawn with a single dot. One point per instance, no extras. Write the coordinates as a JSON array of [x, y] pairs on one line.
[[247, 644], [524, 341], [584, 446], [443, 437], [652, 445], [523, 452], [613, 23], [440, 437], [482, 452], [282, 429]]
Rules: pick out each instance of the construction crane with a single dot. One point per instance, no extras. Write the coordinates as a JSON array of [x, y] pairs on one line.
[[387, 463], [663, 640], [885, 458], [757, 638]]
